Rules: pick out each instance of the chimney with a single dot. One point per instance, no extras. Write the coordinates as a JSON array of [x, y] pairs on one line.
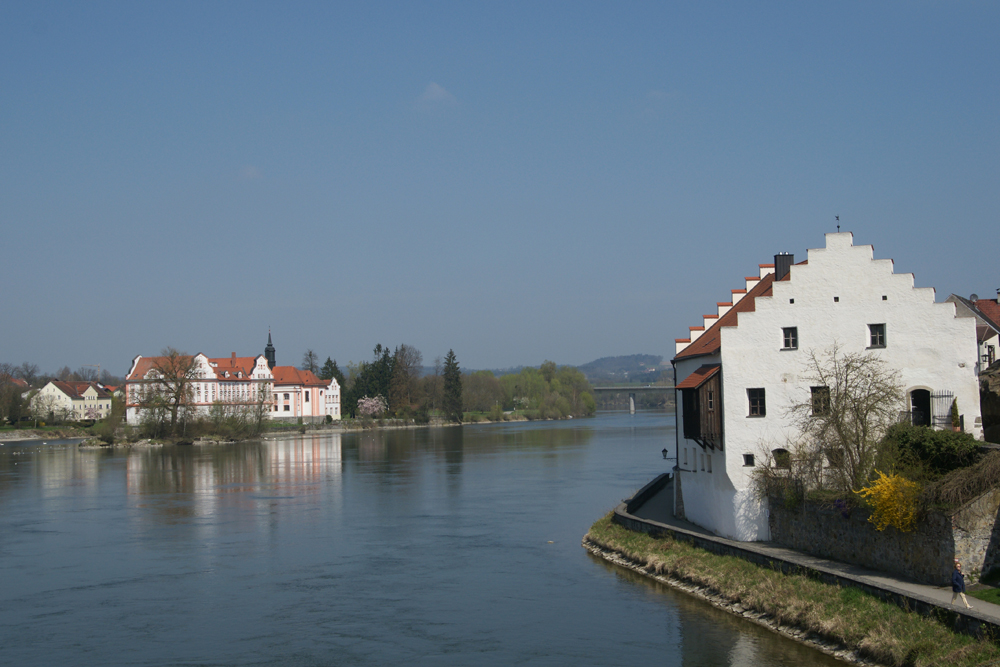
[[234, 356], [782, 263]]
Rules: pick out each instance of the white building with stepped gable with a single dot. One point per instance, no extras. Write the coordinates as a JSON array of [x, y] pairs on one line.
[[744, 367]]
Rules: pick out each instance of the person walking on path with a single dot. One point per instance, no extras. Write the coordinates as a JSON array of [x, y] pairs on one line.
[[958, 585]]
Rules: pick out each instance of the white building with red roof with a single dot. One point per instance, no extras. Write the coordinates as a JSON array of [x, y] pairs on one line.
[[300, 394], [71, 400], [987, 315], [742, 369], [237, 383]]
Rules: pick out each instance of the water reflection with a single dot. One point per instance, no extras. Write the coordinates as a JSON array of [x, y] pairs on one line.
[[293, 466], [198, 481], [428, 546]]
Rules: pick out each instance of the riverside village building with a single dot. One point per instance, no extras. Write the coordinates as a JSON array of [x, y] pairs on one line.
[[740, 372], [72, 400], [236, 383]]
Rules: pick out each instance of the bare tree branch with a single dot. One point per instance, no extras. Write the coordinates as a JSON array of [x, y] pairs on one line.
[[855, 398]]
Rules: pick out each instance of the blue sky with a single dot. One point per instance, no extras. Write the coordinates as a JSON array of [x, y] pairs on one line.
[[516, 181]]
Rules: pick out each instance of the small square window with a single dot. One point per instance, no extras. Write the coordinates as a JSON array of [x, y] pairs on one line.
[[885, 298], [790, 338], [748, 460], [791, 301], [876, 334], [836, 299], [758, 406]]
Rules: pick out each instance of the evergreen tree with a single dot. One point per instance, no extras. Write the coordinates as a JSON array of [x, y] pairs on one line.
[[372, 380], [331, 370], [452, 400]]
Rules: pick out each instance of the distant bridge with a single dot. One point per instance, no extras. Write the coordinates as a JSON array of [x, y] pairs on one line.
[[632, 390]]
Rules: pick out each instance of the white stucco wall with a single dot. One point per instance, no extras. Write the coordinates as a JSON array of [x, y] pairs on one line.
[[926, 343], [331, 399]]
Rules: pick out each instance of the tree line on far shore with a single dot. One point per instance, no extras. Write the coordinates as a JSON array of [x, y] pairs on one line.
[[396, 377], [394, 382]]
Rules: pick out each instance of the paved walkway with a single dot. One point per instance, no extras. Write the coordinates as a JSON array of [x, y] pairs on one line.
[[658, 510]]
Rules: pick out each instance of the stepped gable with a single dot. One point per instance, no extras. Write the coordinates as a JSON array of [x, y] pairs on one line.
[[711, 341]]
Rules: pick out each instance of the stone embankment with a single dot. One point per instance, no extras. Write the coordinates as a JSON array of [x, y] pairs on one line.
[[33, 434], [812, 639]]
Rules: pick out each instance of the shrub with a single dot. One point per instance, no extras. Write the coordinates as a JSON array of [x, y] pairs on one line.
[[960, 486], [894, 500], [371, 407], [920, 451], [422, 415]]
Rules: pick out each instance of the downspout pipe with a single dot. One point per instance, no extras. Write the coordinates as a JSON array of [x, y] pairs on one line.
[[677, 436]]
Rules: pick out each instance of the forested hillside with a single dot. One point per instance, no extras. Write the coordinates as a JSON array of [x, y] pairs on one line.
[[643, 368]]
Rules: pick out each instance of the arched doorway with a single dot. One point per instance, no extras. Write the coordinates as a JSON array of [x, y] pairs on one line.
[[920, 407]]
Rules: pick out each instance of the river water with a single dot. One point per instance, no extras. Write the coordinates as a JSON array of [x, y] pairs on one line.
[[450, 546]]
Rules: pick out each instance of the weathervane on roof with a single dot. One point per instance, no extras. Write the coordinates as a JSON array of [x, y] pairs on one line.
[[838, 220]]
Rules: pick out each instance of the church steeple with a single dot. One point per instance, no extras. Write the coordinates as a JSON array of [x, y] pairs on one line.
[[269, 351]]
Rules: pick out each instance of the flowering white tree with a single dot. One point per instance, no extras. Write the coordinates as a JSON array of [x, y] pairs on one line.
[[371, 407]]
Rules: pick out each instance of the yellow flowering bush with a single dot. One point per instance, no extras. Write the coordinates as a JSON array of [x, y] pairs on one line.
[[893, 500]]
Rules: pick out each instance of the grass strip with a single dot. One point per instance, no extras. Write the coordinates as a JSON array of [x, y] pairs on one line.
[[878, 630]]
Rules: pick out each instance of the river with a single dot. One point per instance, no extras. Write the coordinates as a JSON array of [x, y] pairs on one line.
[[446, 546]]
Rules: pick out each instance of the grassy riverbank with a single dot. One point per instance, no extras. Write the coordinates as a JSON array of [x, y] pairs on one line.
[[879, 631]]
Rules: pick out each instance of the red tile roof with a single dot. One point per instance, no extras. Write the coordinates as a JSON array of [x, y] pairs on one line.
[[290, 375], [710, 342], [699, 377], [220, 366], [145, 365], [233, 365], [990, 309], [77, 389]]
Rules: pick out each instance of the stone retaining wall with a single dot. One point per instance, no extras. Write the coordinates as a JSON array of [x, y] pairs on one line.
[[960, 620], [971, 534]]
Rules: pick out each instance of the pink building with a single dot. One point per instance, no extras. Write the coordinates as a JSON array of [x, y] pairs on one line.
[[236, 383], [299, 393]]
